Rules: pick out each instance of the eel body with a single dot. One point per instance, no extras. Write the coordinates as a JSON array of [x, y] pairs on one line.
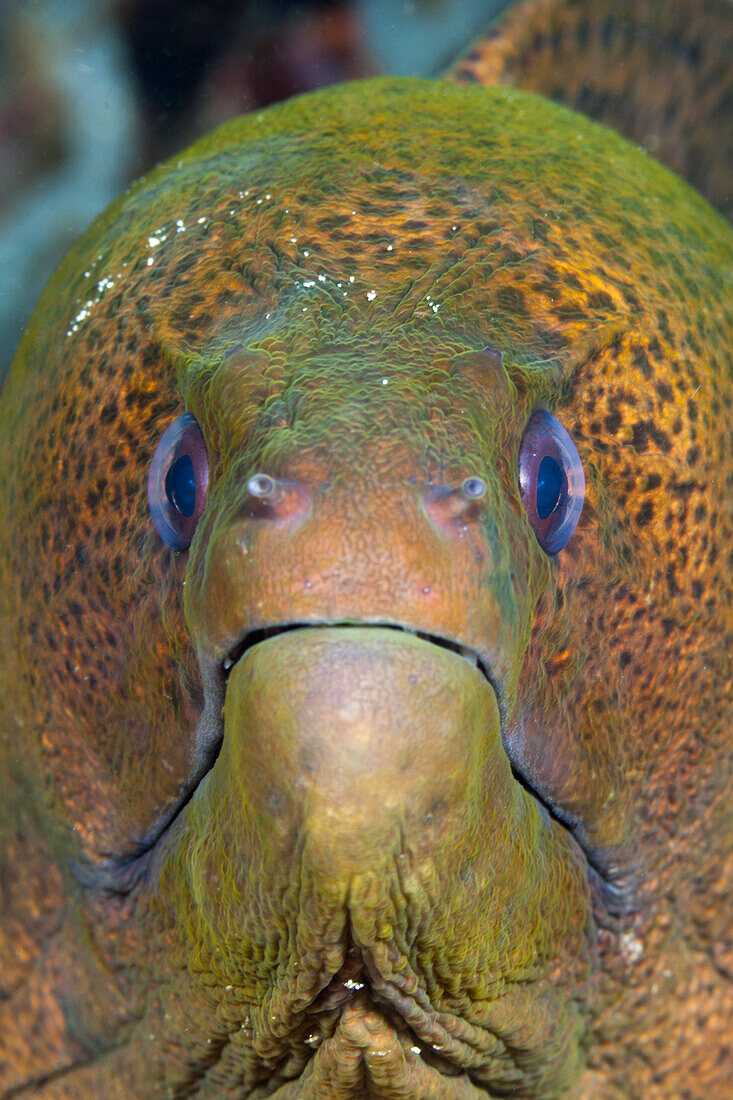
[[366, 706]]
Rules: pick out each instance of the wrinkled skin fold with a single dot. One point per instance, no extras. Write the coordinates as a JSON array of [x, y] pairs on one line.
[[362, 794]]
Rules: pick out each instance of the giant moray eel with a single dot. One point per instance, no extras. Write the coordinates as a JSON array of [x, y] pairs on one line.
[[338, 762]]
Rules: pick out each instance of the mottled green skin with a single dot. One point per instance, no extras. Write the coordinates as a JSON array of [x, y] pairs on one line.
[[468, 219]]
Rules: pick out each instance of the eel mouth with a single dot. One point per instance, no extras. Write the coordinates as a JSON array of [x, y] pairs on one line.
[[261, 634], [123, 872], [258, 635], [614, 898]]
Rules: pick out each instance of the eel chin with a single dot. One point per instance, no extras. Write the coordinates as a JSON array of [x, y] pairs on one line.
[[389, 909]]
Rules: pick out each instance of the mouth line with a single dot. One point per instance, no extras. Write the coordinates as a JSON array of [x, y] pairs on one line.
[[260, 634]]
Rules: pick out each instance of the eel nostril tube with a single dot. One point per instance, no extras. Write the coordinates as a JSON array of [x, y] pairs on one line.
[[473, 488], [454, 503], [262, 486], [276, 498]]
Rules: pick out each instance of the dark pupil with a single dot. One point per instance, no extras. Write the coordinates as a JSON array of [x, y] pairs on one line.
[[550, 484], [180, 485]]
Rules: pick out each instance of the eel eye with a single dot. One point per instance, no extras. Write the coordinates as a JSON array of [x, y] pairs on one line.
[[551, 481], [177, 482]]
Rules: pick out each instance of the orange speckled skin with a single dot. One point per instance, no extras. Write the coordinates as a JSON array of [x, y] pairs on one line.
[[658, 71], [394, 876]]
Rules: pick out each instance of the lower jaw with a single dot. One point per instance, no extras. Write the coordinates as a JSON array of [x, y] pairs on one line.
[[319, 817]]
